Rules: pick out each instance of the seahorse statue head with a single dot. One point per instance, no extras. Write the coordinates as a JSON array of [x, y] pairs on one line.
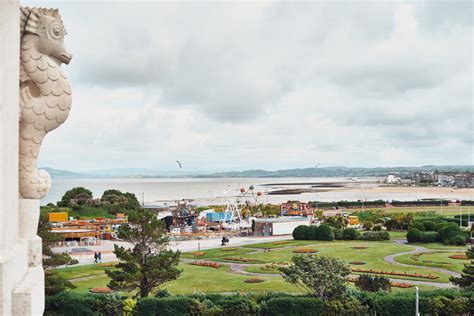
[[47, 32]]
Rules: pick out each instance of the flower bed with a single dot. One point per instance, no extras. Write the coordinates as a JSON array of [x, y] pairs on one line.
[[406, 274], [254, 280], [393, 284], [305, 250], [101, 290], [229, 249], [239, 259], [214, 265], [199, 253], [460, 256], [358, 263], [280, 242], [359, 247]]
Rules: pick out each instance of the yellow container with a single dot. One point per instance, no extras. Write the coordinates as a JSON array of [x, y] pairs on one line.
[[353, 220], [57, 217]]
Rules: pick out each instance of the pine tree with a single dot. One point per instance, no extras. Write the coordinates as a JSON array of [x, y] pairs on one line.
[[467, 277], [149, 263]]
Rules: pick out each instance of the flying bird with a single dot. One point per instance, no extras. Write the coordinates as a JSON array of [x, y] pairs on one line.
[[317, 165], [179, 164]]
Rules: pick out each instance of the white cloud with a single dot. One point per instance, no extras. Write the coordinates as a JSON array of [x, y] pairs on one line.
[[266, 85]]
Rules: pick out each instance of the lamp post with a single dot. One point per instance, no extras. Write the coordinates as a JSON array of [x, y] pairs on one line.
[[417, 308]]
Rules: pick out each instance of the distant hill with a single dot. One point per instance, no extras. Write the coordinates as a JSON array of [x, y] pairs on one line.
[[337, 171]]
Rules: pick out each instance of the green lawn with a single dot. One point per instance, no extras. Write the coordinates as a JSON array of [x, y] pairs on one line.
[[205, 279], [435, 259]]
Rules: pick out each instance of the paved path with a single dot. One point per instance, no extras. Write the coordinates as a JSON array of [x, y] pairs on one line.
[[417, 249], [85, 254]]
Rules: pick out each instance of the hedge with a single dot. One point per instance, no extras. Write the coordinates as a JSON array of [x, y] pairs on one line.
[[439, 302], [301, 306], [300, 232], [350, 234], [375, 235], [322, 232]]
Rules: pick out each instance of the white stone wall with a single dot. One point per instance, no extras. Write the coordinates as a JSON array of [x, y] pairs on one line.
[[21, 274]]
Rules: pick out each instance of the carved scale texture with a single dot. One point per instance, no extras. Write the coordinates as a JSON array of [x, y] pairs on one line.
[[45, 102]]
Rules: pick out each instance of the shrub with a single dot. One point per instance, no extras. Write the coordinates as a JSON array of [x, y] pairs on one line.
[[350, 234], [108, 305], [439, 226], [375, 236], [450, 231], [429, 226], [311, 232], [299, 233], [73, 304], [301, 306], [324, 232], [147, 307], [372, 283], [171, 306], [378, 228], [429, 237], [338, 233], [418, 226], [238, 305], [413, 235]]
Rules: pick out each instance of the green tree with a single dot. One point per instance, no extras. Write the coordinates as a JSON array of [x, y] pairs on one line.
[[323, 277], [54, 283], [467, 277], [149, 263], [126, 200], [78, 194], [372, 283]]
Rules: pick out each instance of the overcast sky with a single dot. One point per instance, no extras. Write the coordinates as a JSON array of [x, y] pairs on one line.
[[269, 85]]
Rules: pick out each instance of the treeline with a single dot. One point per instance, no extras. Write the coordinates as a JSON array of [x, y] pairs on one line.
[[81, 200], [440, 302]]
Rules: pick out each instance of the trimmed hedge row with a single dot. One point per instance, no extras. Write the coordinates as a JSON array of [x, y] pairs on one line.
[[441, 302], [327, 232]]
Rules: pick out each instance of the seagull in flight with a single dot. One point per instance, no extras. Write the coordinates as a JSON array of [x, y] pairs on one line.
[[179, 164], [317, 165]]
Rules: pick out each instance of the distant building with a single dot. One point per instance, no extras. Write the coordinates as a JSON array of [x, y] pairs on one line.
[[393, 179], [278, 226]]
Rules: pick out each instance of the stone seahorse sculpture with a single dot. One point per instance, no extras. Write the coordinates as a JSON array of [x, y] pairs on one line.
[[45, 94]]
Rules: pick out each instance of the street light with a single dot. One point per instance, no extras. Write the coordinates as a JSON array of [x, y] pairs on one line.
[[417, 309]]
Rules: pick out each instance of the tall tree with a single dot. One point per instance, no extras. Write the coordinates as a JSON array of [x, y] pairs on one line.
[[79, 195], [54, 283], [321, 276], [149, 263], [467, 277]]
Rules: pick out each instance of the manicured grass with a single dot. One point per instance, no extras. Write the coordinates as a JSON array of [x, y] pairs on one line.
[[435, 259], [440, 246], [218, 253], [398, 235]]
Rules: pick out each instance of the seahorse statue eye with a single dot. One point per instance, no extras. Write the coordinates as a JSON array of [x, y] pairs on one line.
[[57, 31]]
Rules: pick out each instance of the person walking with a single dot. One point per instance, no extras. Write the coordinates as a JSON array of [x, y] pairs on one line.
[[99, 256], [95, 257]]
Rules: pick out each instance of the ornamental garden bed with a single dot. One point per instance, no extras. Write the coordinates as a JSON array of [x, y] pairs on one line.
[[305, 250], [406, 274], [459, 256], [214, 265], [359, 247], [199, 253], [392, 283], [101, 290], [358, 263], [239, 259], [254, 280]]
